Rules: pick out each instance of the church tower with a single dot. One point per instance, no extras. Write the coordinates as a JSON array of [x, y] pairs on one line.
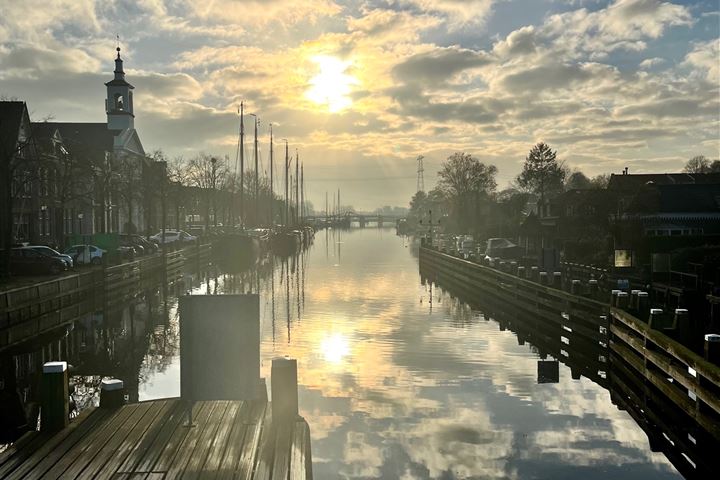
[[119, 101]]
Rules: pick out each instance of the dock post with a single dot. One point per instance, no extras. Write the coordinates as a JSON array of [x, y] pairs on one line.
[[534, 274], [712, 348], [634, 300], [593, 287], [55, 397], [622, 300], [614, 298], [513, 268], [112, 393], [543, 278], [682, 324], [654, 321], [576, 287], [643, 305], [520, 271], [557, 280], [284, 388]]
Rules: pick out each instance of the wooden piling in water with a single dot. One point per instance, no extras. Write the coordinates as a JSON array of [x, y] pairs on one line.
[[284, 388]]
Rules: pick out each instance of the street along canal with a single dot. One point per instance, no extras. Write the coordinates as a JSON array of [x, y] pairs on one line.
[[398, 379]]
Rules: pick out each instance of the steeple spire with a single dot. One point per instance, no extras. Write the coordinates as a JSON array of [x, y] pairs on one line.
[[119, 73]]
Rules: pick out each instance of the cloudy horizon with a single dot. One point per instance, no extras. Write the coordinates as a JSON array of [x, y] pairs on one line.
[[362, 88]]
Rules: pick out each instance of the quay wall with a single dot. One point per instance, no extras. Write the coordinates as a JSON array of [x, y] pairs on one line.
[[32, 310], [582, 319]]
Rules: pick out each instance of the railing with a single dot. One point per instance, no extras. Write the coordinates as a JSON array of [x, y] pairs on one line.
[[673, 375], [583, 320], [29, 311]]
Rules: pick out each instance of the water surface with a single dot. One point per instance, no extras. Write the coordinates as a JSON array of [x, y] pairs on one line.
[[396, 384]]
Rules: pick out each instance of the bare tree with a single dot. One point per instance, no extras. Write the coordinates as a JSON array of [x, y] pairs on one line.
[[466, 180], [207, 173], [697, 164]]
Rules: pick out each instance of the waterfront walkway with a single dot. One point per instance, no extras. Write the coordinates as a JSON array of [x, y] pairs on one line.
[[153, 440]]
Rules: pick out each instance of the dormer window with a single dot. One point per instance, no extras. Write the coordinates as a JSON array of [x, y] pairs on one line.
[[119, 103]]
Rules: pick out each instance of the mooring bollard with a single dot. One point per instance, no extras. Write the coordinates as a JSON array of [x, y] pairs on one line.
[[623, 300], [655, 319], [593, 287], [576, 287], [534, 274], [55, 397], [543, 278], [557, 280], [712, 348], [682, 324], [521, 271], [284, 388], [643, 304], [634, 299], [112, 393]]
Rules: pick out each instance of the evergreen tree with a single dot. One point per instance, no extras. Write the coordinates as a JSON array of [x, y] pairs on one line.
[[542, 174]]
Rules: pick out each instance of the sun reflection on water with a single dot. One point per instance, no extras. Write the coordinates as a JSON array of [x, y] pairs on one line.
[[334, 348]]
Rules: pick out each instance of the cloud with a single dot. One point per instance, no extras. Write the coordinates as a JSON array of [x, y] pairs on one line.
[[439, 65], [705, 56], [649, 63], [457, 12]]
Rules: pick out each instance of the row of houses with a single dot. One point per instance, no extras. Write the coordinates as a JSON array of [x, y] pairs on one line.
[[636, 217], [63, 179]]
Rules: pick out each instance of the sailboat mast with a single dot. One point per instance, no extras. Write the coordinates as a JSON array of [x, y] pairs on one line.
[[297, 185], [272, 190], [302, 192], [242, 165], [257, 198], [287, 172]]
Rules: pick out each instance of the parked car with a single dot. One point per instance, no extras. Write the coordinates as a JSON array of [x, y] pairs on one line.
[[501, 248], [129, 247], [26, 261], [148, 246], [172, 236], [53, 253], [86, 254]]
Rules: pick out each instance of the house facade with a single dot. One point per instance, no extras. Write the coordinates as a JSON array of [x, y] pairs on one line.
[[79, 179]]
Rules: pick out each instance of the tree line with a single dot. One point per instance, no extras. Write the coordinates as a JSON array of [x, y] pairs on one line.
[[466, 200]]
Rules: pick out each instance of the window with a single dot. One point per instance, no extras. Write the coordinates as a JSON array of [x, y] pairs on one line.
[[119, 103]]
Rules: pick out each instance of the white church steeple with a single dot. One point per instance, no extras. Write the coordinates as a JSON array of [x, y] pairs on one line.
[[119, 101]]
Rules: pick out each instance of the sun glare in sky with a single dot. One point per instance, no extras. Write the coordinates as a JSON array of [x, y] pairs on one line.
[[331, 86]]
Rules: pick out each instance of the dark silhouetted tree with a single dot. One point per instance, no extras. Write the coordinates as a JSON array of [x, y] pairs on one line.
[[466, 181], [698, 164], [577, 181]]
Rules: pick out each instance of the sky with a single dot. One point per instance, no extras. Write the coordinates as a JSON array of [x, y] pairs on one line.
[[361, 89]]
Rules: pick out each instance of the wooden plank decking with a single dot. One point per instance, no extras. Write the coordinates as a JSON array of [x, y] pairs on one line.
[[152, 440]]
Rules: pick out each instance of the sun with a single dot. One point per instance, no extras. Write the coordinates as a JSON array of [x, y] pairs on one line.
[[331, 87]]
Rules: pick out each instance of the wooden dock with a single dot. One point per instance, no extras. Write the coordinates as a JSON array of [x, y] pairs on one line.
[[153, 440]]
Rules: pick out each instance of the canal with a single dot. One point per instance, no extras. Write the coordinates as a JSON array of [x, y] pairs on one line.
[[398, 378]]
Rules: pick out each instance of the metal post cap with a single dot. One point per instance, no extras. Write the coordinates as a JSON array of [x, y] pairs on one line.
[[111, 384], [656, 311], [54, 367], [712, 338]]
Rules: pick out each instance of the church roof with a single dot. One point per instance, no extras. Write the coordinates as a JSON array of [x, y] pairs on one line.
[[118, 83], [93, 138]]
